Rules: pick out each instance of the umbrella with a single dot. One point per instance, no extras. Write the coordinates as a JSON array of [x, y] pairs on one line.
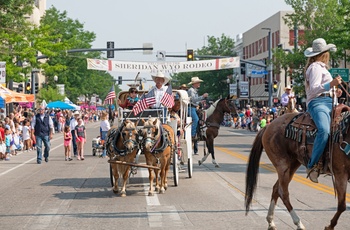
[[59, 105], [43, 104]]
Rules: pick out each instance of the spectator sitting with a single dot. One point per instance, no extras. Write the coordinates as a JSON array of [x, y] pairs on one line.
[[130, 100]]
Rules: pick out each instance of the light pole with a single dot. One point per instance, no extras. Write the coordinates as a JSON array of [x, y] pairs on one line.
[[270, 65]]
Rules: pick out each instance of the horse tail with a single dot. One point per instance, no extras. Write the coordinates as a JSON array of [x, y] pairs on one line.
[[253, 169]]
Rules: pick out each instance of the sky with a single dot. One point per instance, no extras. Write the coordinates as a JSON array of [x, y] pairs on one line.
[[171, 26]]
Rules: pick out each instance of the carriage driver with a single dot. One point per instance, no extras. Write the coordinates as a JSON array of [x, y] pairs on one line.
[[160, 88], [285, 97], [195, 99]]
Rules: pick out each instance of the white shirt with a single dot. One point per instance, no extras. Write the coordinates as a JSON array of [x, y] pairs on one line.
[[318, 79], [285, 98], [158, 94], [105, 126]]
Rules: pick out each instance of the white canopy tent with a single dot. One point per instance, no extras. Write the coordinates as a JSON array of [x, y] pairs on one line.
[[66, 100]]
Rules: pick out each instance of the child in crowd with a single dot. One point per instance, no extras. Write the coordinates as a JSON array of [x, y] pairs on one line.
[[80, 133], [26, 135], [8, 138], [67, 136]]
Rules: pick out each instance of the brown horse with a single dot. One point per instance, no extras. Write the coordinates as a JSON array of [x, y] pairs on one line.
[[215, 116], [158, 146], [122, 146], [291, 106], [287, 156]]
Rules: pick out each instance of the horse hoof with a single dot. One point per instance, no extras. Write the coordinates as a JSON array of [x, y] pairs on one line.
[[115, 191], [123, 194], [328, 228], [162, 191], [217, 166], [156, 189], [199, 162], [150, 193]]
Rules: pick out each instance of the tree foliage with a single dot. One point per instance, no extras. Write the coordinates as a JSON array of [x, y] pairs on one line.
[[215, 82]]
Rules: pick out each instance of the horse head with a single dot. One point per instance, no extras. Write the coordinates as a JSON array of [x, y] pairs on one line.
[[129, 136], [151, 133], [230, 106], [291, 106]]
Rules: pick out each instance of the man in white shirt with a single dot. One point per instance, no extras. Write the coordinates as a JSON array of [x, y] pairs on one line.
[[72, 124], [285, 97], [160, 88]]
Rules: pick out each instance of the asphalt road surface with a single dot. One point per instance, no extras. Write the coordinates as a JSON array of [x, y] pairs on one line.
[[78, 195]]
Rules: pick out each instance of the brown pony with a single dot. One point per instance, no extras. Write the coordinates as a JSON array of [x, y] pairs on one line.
[[287, 156], [158, 146], [122, 146], [215, 116]]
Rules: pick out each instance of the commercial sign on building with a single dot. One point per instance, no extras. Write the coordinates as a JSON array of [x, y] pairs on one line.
[[244, 89], [233, 91], [3, 73], [255, 71]]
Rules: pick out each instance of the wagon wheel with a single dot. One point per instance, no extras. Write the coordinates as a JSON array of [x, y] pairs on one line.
[[176, 167], [111, 175]]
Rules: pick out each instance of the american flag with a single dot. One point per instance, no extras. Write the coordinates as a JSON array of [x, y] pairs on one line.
[[110, 97], [168, 98], [145, 101]]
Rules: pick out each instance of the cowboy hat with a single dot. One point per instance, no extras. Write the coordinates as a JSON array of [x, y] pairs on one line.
[[288, 87], [195, 80], [319, 45], [161, 75], [183, 86], [76, 113]]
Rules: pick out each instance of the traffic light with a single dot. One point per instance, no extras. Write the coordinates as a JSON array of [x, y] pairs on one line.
[[20, 88], [275, 86], [190, 55], [28, 88], [120, 80], [242, 68], [36, 87], [266, 86], [110, 53]]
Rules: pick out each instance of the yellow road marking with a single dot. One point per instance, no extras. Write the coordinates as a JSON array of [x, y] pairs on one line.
[[296, 177]]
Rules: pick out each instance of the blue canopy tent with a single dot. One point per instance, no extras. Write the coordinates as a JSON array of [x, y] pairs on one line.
[[2, 103], [60, 105]]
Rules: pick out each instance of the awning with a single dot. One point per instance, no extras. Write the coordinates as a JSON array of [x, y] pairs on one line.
[[59, 105], [12, 96], [2, 102]]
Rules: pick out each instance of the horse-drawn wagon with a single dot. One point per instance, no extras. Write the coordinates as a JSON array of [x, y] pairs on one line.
[[162, 135]]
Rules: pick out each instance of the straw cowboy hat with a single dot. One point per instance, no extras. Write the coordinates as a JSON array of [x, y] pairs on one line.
[[319, 45], [288, 87], [183, 86], [195, 80], [161, 75]]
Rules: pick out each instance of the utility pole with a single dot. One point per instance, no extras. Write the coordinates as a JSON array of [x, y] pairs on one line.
[[270, 77]]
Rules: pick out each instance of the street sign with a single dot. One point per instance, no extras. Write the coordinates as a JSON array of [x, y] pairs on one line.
[[344, 73], [259, 72]]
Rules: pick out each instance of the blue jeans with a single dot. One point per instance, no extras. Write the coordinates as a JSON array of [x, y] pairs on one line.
[[39, 146], [195, 119], [320, 110], [104, 137]]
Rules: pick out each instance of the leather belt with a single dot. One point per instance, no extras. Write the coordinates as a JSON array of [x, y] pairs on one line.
[[325, 95]]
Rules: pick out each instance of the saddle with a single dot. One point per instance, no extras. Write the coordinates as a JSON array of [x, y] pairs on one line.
[[303, 130]]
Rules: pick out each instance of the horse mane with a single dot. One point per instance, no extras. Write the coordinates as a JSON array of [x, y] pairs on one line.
[[212, 107]]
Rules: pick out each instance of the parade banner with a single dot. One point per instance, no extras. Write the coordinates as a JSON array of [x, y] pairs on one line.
[[165, 67]]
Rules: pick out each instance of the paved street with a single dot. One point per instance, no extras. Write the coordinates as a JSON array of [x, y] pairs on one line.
[[78, 195]]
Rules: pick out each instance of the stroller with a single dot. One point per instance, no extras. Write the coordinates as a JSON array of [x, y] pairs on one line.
[[97, 145]]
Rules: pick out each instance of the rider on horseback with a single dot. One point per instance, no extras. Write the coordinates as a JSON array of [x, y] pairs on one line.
[[285, 97], [318, 85]]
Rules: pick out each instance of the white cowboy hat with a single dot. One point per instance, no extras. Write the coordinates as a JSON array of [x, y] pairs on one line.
[[195, 80], [319, 45], [288, 87], [161, 75], [76, 113]]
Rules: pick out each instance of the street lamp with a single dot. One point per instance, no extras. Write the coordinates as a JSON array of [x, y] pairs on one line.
[[55, 78], [270, 65]]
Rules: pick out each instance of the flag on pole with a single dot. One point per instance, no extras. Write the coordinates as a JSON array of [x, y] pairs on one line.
[[168, 98], [110, 97], [145, 101]]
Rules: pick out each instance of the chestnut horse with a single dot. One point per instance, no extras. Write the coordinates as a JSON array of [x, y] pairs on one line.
[[122, 146], [287, 156], [158, 146], [215, 116]]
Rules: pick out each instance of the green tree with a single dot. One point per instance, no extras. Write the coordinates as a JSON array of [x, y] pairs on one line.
[[72, 69], [50, 94], [215, 82]]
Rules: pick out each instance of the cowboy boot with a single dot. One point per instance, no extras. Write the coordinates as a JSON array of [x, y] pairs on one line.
[[313, 174]]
